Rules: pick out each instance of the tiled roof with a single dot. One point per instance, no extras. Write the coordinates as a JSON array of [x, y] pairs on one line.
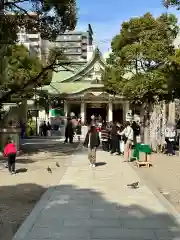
[[69, 88]]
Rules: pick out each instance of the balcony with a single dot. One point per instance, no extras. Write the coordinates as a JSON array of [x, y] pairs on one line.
[[36, 43], [33, 36]]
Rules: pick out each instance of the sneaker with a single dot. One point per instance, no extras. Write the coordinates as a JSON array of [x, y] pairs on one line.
[[93, 165], [14, 172], [90, 165]]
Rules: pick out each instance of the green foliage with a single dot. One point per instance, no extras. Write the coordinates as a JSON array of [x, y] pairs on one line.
[[31, 128], [20, 68], [50, 18], [172, 3], [20, 72], [139, 65]]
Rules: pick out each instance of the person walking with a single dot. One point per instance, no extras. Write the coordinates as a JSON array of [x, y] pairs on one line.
[[10, 152], [79, 129], [170, 134], [69, 131], [128, 136], [92, 142], [44, 129], [48, 129]]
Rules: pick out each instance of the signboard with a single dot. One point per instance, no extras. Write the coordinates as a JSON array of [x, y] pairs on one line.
[[57, 112]]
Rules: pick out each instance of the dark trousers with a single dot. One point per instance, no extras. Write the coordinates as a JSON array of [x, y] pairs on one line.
[[170, 146], [115, 144], [105, 146], [70, 138], [110, 144], [11, 162]]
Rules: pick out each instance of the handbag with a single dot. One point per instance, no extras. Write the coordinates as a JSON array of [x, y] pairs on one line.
[[124, 138]]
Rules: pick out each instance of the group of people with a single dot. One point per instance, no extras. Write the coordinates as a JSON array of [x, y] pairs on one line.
[[44, 129], [115, 136], [116, 139]]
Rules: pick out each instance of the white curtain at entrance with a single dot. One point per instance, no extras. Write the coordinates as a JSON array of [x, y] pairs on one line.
[[83, 112], [66, 108], [110, 112]]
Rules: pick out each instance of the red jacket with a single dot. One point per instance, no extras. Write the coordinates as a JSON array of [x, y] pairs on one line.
[[10, 148]]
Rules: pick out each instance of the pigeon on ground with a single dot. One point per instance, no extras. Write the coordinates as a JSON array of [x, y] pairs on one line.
[[133, 185], [49, 169], [57, 164]]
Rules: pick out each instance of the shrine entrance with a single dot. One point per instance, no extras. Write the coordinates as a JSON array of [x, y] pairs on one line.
[[96, 109]]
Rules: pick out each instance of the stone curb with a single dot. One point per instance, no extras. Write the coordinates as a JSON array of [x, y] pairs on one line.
[[30, 220], [174, 214], [28, 223]]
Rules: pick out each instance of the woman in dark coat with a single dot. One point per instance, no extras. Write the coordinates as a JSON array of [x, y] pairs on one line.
[[69, 132], [78, 129], [114, 140]]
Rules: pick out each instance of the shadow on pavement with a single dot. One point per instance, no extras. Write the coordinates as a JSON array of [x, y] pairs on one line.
[[42, 149], [74, 213], [21, 170], [16, 202], [98, 164]]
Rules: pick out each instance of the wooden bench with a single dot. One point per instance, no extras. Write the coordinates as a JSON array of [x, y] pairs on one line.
[[146, 164]]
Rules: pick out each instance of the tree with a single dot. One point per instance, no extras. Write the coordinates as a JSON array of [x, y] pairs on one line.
[[50, 18], [140, 66], [24, 72], [172, 3]]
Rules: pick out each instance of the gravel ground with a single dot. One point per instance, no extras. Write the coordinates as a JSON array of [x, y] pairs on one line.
[[19, 193], [164, 176]]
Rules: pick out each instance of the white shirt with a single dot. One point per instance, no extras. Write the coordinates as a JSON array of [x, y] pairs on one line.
[[128, 132], [89, 140], [170, 132]]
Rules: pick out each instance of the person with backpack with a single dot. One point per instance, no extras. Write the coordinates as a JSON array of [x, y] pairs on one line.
[[92, 142]]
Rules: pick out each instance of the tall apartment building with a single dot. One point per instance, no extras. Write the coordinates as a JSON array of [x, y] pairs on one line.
[[30, 38], [76, 44]]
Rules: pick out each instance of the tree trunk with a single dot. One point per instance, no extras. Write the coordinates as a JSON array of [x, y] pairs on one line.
[[145, 120], [157, 126]]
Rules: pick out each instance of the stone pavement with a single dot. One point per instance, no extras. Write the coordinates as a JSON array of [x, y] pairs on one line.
[[97, 204]]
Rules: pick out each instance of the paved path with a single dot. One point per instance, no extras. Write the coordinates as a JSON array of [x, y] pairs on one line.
[[97, 204]]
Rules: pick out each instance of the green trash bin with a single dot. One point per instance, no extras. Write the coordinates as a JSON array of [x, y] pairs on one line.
[[140, 147]]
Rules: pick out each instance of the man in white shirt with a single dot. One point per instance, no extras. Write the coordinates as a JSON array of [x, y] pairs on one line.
[[170, 135], [128, 135]]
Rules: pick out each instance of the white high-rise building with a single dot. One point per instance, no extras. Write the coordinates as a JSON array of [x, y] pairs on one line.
[[30, 38]]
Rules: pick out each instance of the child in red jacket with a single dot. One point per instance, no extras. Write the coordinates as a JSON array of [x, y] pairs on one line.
[[10, 152]]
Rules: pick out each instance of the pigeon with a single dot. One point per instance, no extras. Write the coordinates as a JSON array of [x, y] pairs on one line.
[[57, 164], [49, 169], [133, 185]]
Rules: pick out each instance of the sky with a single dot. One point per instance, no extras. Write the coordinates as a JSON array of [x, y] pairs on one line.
[[106, 16]]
